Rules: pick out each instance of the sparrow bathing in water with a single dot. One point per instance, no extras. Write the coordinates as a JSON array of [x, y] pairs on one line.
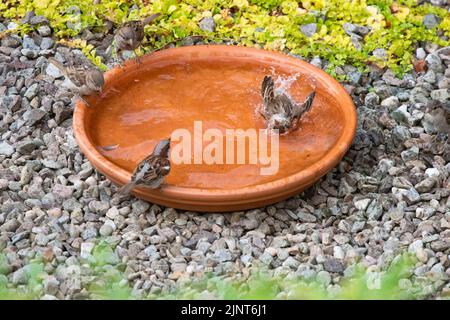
[[151, 171], [280, 111], [84, 80], [130, 35]]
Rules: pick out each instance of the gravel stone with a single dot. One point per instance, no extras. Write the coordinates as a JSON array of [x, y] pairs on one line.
[[380, 53], [20, 277], [421, 53], [32, 91], [31, 117], [430, 21], [208, 24], [86, 249], [432, 173], [439, 246], [27, 147], [362, 204], [222, 255], [266, 258], [6, 149], [354, 28], [316, 61], [434, 62], [334, 265], [140, 207], [47, 43], [309, 29], [425, 185], [371, 99], [36, 20], [44, 31], [391, 102], [441, 95], [374, 210], [401, 115], [306, 217], [388, 194], [412, 196], [410, 154], [106, 230], [53, 71]]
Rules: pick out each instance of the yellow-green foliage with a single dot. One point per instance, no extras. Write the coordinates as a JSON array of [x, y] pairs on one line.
[[272, 24]]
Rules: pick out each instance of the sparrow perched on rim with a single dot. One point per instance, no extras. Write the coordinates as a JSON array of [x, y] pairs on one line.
[[280, 111], [151, 171], [84, 80], [130, 35]]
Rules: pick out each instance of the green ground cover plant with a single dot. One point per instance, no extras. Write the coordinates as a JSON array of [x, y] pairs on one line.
[[105, 279], [395, 26]]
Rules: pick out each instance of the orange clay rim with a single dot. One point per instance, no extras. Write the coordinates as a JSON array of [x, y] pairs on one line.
[[250, 194]]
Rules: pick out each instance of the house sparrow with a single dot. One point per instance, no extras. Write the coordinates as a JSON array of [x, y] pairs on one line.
[[84, 80], [130, 35], [151, 171], [279, 110]]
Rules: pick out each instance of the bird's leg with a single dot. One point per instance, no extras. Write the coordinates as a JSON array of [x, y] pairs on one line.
[[123, 60], [118, 57], [137, 58], [262, 114]]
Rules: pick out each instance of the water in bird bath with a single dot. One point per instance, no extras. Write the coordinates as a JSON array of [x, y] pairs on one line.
[[141, 107]]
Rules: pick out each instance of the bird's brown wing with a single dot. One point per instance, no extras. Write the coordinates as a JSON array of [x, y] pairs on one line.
[[150, 175], [140, 32], [267, 90], [305, 106], [131, 30], [77, 74], [154, 171], [138, 28], [285, 105], [299, 110], [141, 166]]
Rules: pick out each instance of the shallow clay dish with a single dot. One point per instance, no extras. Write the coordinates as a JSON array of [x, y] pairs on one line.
[[219, 85]]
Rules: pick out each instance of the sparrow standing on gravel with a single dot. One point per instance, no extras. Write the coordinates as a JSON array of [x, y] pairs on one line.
[[151, 171], [280, 111], [130, 35], [84, 80]]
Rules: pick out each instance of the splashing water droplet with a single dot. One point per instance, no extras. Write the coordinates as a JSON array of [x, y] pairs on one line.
[[284, 84]]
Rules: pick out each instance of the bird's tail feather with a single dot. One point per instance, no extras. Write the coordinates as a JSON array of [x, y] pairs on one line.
[[309, 101], [149, 19], [267, 87], [126, 189]]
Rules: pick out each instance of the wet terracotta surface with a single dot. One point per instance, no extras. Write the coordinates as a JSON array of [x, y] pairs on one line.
[[221, 88]]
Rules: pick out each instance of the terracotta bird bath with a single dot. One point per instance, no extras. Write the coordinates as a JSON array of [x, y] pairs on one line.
[[218, 86]]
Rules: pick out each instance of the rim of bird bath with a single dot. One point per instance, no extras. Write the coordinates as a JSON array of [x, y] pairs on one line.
[[207, 200]]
